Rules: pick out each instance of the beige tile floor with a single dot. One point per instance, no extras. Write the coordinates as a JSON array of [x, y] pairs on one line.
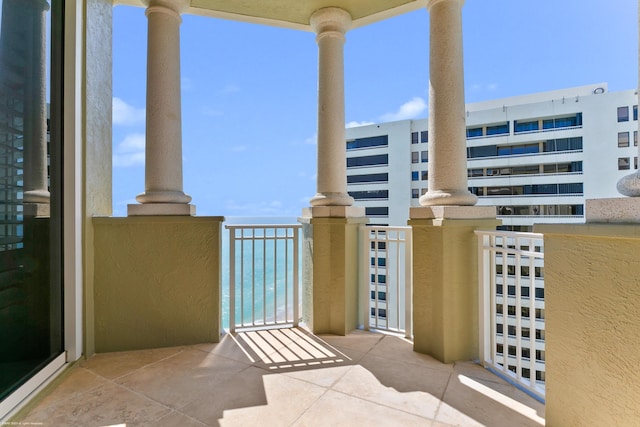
[[284, 377]]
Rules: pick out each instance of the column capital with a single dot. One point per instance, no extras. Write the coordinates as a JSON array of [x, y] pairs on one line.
[[330, 19], [431, 3], [177, 6]]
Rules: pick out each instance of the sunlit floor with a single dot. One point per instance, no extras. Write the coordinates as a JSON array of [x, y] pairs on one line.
[[284, 377]]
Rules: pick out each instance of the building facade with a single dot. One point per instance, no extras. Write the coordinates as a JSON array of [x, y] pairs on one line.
[[536, 158]]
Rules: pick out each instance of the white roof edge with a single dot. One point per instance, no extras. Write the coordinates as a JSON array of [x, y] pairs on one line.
[[572, 92]]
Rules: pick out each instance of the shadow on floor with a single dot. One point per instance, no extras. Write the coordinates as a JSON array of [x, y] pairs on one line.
[[285, 377]]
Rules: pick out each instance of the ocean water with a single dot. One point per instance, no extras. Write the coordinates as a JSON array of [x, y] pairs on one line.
[[262, 274]]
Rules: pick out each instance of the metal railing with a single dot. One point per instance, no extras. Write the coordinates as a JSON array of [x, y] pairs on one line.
[[511, 295], [386, 280], [263, 276]]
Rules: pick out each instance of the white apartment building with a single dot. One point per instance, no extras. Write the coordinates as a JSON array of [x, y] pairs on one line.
[[537, 157]]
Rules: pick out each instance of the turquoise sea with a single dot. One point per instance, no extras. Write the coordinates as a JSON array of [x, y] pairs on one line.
[[264, 265]]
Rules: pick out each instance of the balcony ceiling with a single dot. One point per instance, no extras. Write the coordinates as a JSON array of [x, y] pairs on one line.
[[295, 14]]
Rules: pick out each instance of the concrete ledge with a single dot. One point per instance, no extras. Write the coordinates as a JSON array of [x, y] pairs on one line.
[[618, 210], [452, 212], [150, 209]]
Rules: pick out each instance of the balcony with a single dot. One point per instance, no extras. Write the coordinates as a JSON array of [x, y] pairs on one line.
[[283, 377]]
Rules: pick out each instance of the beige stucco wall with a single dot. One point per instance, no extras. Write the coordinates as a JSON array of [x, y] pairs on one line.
[[334, 290], [445, 287], [96, 140], [592, 302], [157, 281]]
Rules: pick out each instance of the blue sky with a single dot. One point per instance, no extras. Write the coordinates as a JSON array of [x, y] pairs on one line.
[[249, 100]]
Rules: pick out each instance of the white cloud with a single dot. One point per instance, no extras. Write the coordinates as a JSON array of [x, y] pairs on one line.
[[408, 110], [125, 114], [312, 140], [354, 124], [130, 151]]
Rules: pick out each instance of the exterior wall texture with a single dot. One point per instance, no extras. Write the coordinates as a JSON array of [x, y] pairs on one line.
[[157, 282], [592, 316]]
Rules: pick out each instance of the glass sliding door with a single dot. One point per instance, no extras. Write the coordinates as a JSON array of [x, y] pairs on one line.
[[30, 189]]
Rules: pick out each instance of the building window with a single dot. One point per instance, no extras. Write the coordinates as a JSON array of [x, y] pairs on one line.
[[424, 156], [414, 193], [377, 211], [635, 162], [374, 141], [526, 332], [415, 176], [623, 163], [424, 191], [500, 129], [374, 177], [635, 112], [474, 132], [414, 137], [415, 157], [425, 175], [529, 126], [377, 160], [424, 136], [623, 139], [635, 138], [540, 355], [369, 195], [623, 114]]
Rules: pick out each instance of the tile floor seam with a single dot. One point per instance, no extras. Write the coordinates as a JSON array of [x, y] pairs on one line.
[[186, 416], [388, 407], [181, 350], [71, 396], [441, 398], [326, 390]]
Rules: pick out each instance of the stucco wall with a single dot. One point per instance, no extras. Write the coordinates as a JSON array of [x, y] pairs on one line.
[[445, 287], [157, 281], [96, 141], [592, 300], [335, 274]]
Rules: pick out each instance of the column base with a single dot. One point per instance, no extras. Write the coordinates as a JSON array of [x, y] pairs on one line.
[[448, 198], [445, 280], [331, 199], [151, 209], [37, 210]]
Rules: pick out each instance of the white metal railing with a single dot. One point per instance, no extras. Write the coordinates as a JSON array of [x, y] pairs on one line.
[[263, 275], [511, 311], [385, 289]]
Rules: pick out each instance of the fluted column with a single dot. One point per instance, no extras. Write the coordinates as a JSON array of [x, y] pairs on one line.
[[36, 188], [163, 193], [330, 24], [447, 146]]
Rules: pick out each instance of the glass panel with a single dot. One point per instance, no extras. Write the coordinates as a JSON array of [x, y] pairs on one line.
[[30, 211]]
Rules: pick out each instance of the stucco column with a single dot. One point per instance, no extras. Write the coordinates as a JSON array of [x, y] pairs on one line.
[[163, 193], [35, 104], [331, 24], [447, 146]]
